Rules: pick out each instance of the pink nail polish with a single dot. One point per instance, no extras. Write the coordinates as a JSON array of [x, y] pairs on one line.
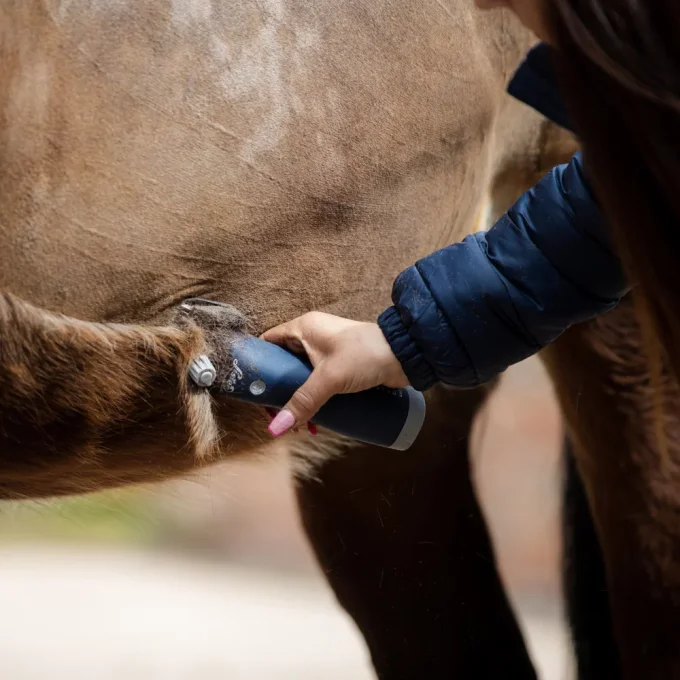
[[281, 424]]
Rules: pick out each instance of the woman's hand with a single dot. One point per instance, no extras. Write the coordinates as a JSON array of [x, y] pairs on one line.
[[348, 356]]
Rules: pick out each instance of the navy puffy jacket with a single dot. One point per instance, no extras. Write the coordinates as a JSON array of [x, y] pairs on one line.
[[467, 312]]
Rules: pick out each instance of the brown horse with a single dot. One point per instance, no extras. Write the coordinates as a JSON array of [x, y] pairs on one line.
[[283, 156]]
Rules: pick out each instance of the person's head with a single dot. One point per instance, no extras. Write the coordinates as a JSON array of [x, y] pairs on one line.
[[619, 65]]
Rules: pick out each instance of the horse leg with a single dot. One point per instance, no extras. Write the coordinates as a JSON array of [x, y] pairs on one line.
[[585, 582], [403, 542], [606, 392]]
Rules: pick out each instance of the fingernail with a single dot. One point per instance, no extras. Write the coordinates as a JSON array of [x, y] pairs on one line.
[[281, 424], [311, 428]]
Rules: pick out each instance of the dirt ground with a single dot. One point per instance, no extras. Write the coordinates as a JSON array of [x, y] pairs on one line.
[[80, 614]]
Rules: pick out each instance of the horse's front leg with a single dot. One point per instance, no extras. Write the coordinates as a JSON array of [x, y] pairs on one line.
[[402, 540]]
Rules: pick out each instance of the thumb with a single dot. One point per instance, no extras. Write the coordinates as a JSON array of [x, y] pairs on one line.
[[305, 403], [287, 335]]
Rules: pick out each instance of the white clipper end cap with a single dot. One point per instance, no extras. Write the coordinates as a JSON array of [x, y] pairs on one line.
[[202, 371]]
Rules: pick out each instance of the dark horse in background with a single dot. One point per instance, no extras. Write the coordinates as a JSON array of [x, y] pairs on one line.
[[282, 156]]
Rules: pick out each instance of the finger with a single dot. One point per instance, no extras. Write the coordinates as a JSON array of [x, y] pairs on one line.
[[282, 334], [287, 335], [311, 427], [305, 403]]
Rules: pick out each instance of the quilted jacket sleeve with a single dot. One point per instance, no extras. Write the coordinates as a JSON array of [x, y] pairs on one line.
[[467, 312]]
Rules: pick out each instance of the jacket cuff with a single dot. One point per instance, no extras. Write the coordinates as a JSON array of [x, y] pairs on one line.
[[417, 369]]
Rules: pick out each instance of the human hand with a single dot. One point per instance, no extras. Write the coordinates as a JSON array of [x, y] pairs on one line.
[[348, 356]]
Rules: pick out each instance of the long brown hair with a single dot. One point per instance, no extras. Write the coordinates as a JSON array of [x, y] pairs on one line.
[[619, 62]]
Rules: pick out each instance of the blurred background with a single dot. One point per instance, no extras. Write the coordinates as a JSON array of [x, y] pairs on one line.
[[212, 578]]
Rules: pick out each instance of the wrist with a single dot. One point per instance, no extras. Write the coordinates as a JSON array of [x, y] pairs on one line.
[[412, 361]]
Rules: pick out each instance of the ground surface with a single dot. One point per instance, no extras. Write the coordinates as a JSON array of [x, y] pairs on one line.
[[76, 614]]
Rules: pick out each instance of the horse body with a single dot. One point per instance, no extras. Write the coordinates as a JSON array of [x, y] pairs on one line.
[[280, 156]]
